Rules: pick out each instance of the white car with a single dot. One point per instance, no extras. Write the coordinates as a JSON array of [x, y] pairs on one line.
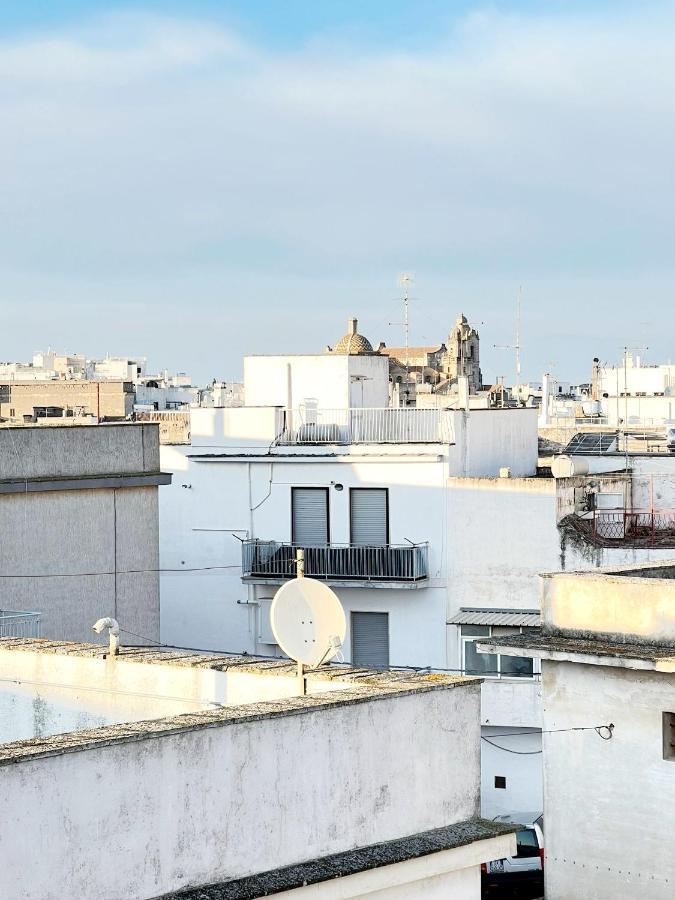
[[528, 863]]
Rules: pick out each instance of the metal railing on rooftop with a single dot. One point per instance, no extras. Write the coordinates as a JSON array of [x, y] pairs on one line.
[[336, 562], [19, 624], [395, 425]]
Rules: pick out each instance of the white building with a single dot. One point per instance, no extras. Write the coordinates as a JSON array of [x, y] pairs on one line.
[[607, 654], [141, 775]]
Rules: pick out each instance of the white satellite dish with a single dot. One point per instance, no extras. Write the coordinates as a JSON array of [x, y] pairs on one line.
[[308, 621]]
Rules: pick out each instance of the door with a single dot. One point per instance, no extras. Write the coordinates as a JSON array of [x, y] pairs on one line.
[[369, 516], [309, 516], [370, 639]]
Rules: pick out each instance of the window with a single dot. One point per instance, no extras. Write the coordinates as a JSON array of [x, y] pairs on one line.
[[500, 782], [5, 391], [309, 515], [493, 665], [370, 639], [527, 844], [369, 516], [669, 735]]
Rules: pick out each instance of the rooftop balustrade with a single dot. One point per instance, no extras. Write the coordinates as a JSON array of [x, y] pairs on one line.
[[395, 425]]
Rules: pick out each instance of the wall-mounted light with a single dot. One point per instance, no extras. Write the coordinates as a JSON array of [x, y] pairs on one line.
[[338, 486]]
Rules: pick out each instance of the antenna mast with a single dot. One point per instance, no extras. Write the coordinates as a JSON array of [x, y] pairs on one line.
[[515, 346], [405, 280]]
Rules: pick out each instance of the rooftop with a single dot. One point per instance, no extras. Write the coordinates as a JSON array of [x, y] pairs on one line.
[[340, 865], [331, 686]]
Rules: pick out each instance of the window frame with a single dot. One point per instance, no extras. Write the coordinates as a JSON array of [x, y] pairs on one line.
[[498, 675]]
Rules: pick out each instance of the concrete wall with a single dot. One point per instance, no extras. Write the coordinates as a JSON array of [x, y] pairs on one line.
[[98, 398], [88, 450], [604, 603], [489, 439], [609, 812], [64, 548], [290, 381], [77, 555], [129, 815], [514, 754]]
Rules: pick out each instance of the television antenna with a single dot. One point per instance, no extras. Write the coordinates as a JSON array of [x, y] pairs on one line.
[[308, 623], [515, 346], [405, 279]]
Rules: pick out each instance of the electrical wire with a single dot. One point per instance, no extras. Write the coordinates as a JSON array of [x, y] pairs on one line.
[[122, 572], [507, 750]]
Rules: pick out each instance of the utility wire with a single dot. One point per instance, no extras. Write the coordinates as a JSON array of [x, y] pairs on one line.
[[121, 572]]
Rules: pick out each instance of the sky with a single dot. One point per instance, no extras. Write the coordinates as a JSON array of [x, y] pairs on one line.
[[195, 181]]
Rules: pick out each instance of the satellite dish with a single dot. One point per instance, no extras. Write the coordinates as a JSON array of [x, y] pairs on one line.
[[308, 621]]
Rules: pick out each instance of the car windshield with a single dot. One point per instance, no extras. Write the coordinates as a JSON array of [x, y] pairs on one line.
[[527, 843]]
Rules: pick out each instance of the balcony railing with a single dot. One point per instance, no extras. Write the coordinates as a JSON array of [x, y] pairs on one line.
[[396, 425], [273, 561], [19, 624], [621, 527]]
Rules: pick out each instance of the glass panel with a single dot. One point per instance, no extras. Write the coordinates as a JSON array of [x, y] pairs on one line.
[[478, 663], [527, 843], [516, 666], [475, 630]]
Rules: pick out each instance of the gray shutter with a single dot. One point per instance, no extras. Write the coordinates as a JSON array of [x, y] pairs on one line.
[[369, 516], [310, 517], [370, 639]]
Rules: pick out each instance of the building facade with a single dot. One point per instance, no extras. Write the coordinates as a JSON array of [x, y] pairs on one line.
[[79, 523]]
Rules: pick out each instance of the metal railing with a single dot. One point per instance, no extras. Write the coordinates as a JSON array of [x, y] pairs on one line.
[[395, 425], [337, 562], [624, 525], [19, 624]]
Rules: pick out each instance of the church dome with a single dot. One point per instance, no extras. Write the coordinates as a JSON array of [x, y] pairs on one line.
[[353, 342]]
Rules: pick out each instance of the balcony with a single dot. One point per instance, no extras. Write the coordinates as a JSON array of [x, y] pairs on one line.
[[396, 425], [626, 528], [400, 566]]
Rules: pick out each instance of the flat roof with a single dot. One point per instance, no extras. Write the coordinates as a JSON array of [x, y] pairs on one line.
[[596, 651], [365, 685], [350, 862]]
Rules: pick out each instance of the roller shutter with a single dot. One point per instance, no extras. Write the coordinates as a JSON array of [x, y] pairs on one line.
[[370, 639], [310, 516], [369, 526]]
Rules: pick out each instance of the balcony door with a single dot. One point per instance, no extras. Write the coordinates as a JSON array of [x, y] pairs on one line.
[[309, 515], [369, 516]]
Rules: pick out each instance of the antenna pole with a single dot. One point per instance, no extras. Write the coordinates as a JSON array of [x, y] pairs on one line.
[[405, 280], [520, 295], [299, 562]]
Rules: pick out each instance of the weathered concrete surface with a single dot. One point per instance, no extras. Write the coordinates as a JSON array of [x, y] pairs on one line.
[[609, 806], [152, 807], [321, 873], [77, 555], [41, 452]]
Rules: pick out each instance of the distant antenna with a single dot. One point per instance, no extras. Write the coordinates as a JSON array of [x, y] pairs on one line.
[[405, 279], [308, 623], [515, 346]]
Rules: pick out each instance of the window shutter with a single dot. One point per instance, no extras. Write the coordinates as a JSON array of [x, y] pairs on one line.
[[310, 516], [369, 517], [370, 639]]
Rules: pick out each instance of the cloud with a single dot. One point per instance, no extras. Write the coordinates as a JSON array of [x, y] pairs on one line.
[[154, 160]]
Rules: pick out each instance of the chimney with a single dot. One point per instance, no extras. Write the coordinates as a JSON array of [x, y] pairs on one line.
[[352, 326]]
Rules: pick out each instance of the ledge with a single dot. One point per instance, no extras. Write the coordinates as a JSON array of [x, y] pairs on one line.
[[352, 862], [81, 483], [592, 651]]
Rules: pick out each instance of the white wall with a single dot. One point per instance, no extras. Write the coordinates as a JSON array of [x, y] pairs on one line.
[[489, 439], [515, 754], [140, 818], [289, 381], [198, 526], [608, 805]]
